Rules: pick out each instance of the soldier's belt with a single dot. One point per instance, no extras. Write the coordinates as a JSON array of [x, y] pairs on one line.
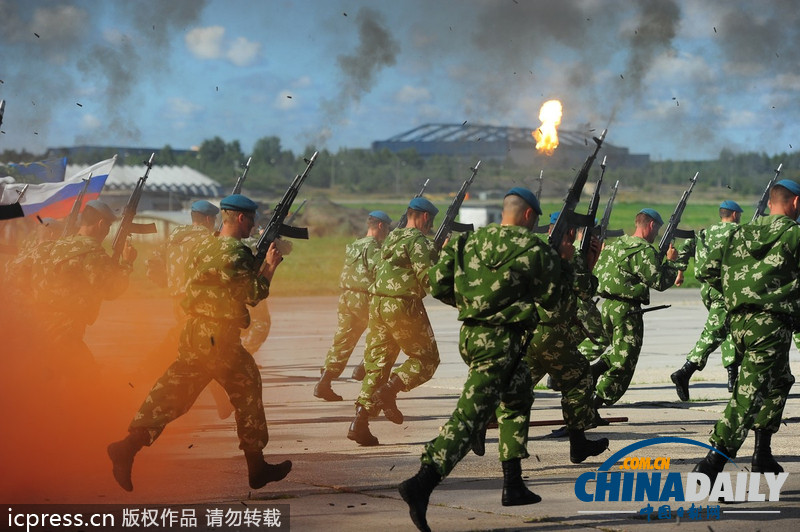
[[624, 300]]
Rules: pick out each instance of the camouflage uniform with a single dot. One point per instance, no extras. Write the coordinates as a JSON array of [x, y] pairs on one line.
[[554, 347], [626, 271], [361, 258], [397, 317], [221, 282], [715, 331], [69, 285], [254, 336], [495, 277], [756, 269]]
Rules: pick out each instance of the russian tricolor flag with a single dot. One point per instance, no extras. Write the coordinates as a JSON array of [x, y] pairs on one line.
[[55, 200]]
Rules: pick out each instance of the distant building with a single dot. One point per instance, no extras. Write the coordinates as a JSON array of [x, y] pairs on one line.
[[499, 142]]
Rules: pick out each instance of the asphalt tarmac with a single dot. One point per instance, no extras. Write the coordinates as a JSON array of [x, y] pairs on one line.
[[337, 485]]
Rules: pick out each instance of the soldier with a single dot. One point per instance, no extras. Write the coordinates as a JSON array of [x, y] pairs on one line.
[[71, 282], [397, 320], [361, 258], [755, 268], [627, 269], [222, 279], [553, 350], [496, 277], [715, 331]]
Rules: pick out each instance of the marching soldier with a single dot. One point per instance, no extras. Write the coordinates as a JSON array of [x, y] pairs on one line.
[[398, 320], [222, 279], [627, 269], [496, 277], [715, 331], [756, 269], [361, 258]]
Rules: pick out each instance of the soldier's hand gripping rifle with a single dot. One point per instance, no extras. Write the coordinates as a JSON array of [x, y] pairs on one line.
[[72, 220], [403, 221], [671, 231], [449, 224], [594, 204], [127, 226], [761, 207], [277, 226], [568, 218]]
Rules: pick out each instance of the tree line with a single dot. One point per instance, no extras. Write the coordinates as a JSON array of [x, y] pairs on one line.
[[364, 171]]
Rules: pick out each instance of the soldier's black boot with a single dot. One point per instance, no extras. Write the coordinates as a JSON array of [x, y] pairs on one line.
[[122, 453], [359, 429], [681, 379], [323, 388], [259, 472], [598, 368], [359, 372], [597, 402], [416, 491], [385, 396], [479, 442], [515, 492], [763, 461], [713, 463], [733, 376], [580, 448]]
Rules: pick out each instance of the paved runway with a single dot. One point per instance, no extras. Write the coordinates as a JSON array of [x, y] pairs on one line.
[[338, 485]]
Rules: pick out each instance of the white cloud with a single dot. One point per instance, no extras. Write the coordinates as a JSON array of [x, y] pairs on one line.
[[206, 43], [671, 69], [180, 107], [302, 82], [284, 101], [243, 52], [90, 121], [412, 95]]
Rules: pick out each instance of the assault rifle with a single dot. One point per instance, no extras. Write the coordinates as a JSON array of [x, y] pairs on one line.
[[761, 206], [277, 226], [539, 190], [401, 223], [126, 225], [72, 219], [671, 232], [646, 310], [567, 218], [594, 203], [449, 224], [292, 216], [237, 188], [605, 232], [2, 110]]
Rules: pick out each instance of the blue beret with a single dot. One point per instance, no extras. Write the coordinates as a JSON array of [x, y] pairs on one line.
[[790, 185], [652, 213], [730, 205], [102, 209], [382, 216], [421, 204], [238, 202], [205, 207], [528, 196], [554, 217]]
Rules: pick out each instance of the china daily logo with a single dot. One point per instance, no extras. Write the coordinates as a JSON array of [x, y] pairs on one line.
[[631, 476]]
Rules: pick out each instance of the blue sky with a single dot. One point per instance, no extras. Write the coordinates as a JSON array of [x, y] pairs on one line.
[[674, 79]]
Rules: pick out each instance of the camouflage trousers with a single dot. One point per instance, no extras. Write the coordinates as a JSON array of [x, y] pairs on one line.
[[623, 333], [591, 319], [396, 324], [498, 382], [715, 334], [353, 317], [762, 341], [209, 349], [554, 350], [257, 332]]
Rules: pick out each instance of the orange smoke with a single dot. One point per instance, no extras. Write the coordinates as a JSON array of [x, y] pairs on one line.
[[546, 135]]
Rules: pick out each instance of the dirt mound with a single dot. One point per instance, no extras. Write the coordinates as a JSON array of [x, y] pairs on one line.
[[323, 217]]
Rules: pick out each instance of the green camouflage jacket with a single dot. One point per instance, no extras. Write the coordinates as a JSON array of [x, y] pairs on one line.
[[707, 239], [75, 278], [499, 275], [405, 258], [360, 260], [757, 266], [172, 256], [627, 269], [221, 280]]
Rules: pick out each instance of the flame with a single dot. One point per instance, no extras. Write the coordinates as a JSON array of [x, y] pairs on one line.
[[546, 135]]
